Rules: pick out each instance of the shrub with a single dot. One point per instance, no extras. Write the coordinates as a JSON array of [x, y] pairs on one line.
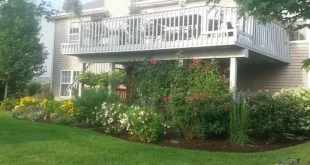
[[46, 92], [143, 124], [109, 117], [271, 116], [302, 96], [68, 108], [33, 88], [31, 113], [53, 107], [8, 104], [90, 102], [239, 120], [63, 119], [200, 100], [28, 101]]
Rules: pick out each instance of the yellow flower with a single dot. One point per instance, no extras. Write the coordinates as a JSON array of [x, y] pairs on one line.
[[26, 101]]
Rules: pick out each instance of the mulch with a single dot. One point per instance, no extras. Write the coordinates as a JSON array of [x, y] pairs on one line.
[[171, 139]]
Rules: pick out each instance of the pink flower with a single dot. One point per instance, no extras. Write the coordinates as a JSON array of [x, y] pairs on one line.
[[166, 98], [196, 60], [153, 62], [195, 96], [226, 108]]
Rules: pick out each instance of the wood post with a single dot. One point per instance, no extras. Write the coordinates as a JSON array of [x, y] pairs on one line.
[[111, 69], [81, 85]]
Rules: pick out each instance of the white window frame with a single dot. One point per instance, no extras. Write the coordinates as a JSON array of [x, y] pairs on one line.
[[71, 81], [74, 34], [306, 35]]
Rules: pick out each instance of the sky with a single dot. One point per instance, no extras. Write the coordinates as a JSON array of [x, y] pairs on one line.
[[57, 4]]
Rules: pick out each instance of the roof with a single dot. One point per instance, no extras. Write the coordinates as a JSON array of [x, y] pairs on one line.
[[93, 4]]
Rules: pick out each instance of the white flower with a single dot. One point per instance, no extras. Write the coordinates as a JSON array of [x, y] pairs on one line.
[[110, 120]]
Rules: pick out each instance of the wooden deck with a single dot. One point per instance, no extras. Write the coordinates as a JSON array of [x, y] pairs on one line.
[[201, 26]]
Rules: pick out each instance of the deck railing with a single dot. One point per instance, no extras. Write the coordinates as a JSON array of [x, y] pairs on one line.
[[186, 27], [190, 27]]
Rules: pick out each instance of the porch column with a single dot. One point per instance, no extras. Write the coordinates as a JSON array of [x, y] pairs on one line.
[[81, 85], [111, 69], [308, 38], [233, 74]]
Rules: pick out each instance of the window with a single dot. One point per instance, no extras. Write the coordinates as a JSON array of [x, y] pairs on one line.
[[66, 79], [74, 32], [300, 35]]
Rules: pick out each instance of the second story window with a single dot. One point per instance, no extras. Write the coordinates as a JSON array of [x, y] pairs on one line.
[[74, 32], [300, 35]]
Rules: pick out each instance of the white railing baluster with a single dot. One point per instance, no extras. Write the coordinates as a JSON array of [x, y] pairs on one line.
[[197, 27], [178, 28]]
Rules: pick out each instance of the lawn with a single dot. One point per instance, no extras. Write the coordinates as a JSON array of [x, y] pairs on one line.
[[46, 144]]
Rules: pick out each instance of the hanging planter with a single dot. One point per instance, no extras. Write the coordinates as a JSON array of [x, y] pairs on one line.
[[73, 6], [99, 16]]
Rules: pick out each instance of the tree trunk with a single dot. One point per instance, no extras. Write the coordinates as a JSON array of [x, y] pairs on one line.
[[6, 90]]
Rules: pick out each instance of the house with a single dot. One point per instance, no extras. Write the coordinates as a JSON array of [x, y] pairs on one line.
[[47, 32], [259, 56]]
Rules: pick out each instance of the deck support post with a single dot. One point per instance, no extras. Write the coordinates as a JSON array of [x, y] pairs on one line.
[[111, 69], [308, 37], [233, 74], [81, 85]]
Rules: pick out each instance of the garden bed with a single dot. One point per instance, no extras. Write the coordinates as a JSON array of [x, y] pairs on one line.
[[171, 139]]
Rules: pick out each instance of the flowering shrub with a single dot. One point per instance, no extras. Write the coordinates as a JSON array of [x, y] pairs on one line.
[[8, 104], [194, 93], [271, 116], [109, 117], [43, 104], [200, 99], [67, 107], [27, 101], [142, 124], [302, 96], [31, 113]]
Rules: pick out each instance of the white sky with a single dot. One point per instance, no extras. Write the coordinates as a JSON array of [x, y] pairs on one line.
[[57, 4]]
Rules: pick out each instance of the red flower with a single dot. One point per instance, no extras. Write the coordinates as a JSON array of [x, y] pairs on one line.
[[195, 96], [212, 106], [153, 62], [227, 108], [196, 60], [166, 98]]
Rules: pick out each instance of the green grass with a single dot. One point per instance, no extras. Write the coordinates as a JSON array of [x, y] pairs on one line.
[[46, 144]]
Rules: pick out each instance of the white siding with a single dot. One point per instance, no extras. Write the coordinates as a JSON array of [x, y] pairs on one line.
[[118, 7], [274, 77], [62, 62]]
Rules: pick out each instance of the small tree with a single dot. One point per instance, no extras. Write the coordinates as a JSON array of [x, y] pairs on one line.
[[73, 6], [21, 53]]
